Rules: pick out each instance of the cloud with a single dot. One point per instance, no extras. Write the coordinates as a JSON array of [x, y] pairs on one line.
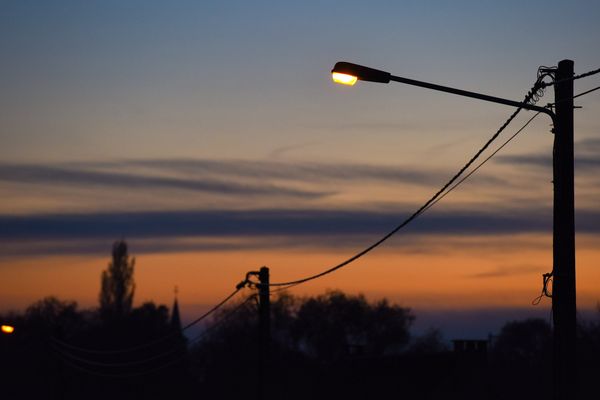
[[263, 229], [283, 223], [587, 157], [283, 150], [582, 163], [508, 270], [230, 223], [300, 172], [590, 145], [293, 172], [81, 177]]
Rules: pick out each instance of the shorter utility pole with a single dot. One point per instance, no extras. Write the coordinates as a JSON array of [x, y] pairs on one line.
[[264, 332]]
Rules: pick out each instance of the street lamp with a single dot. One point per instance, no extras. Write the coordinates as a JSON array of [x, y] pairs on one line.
[[348, 73], [563, 283], [7, 329]]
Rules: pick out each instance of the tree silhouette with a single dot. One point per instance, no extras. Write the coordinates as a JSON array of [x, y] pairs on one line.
[[430, 342], [118, 287], [526, 342], [316, 340], [336, 325]]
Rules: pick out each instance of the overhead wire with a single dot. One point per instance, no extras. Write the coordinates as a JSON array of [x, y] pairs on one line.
[[586, 74], [215, 308], [153, 342], [572, 78], [534, 93], [506, 142], [502, 146], [65, 358], [532, 97], [72, 360], [586, 92]]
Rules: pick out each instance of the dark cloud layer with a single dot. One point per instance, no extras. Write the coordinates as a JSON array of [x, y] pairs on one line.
[[587, 157], [582, 163], [276, 222], [299, 171], [262, 222], [222, 177], [72, 176], [159, 231]]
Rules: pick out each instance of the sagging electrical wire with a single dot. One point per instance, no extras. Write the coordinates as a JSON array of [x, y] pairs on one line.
[[507, 141], [78, 367], [72, 360], [239, 287], [226, 317], [574, 77], [586, 92], [534, 93], [119, 364]]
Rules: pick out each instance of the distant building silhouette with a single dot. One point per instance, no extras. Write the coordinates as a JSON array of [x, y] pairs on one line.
[[470, 346]]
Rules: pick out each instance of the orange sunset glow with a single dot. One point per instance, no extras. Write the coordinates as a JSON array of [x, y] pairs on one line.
[[452, 273], [200, 199]]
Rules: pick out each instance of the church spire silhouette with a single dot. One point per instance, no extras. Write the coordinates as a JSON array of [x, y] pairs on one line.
[[175, 318]]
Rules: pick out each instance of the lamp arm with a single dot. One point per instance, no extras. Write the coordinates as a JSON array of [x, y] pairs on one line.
[[474, 95]]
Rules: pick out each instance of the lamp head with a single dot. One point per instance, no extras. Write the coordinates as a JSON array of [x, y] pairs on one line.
[[348, 73], [8, 329]]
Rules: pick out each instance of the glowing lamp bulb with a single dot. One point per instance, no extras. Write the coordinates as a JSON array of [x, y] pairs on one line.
[[8, 329], [344, 79]]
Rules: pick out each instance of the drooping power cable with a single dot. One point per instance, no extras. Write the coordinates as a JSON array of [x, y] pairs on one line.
[[534, 93]]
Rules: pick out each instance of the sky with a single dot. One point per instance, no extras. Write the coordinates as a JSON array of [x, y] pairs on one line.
[[210, 137]]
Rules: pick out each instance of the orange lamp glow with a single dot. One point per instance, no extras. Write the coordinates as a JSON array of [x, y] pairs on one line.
[[8, 329], [344, 79]]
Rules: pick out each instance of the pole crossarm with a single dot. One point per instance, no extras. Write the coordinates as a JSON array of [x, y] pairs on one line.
[[474, 95]]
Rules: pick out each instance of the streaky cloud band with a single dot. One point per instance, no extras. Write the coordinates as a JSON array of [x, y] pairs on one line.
[[273, 222]]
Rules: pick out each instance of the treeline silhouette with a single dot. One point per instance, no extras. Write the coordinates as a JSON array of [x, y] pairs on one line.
[[329, 346]]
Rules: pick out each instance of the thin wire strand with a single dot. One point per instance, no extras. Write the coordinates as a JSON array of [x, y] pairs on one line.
[[282, 288], [212, 310], [483, 162], [586, 74], [114, 364], [71, 359], [74, 365], [225, 318], [289, 285], [153, 342], [586, 92], [535, 90], [575, 77]]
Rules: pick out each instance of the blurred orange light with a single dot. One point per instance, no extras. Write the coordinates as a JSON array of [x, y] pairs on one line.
[[344, 79], [8, 329]]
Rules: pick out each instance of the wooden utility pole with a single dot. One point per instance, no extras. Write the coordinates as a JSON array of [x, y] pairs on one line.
[[563, 286], [264, 332]]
